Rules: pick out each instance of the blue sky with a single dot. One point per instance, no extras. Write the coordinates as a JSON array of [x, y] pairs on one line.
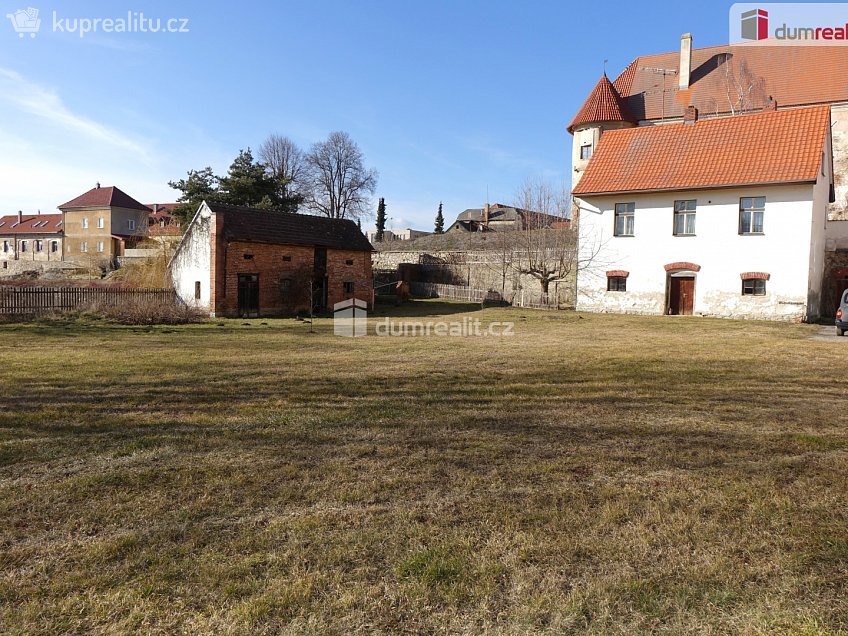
[[446, 99]]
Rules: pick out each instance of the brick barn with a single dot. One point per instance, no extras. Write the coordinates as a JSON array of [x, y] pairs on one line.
[[241, 262]]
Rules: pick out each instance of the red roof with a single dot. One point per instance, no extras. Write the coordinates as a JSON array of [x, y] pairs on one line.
[[783, 146], [31, 224], [159, 210], [793, 75], [98, 197], [603, 104]]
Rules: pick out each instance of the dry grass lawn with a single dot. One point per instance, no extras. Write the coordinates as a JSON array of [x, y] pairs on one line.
[[593, 474]]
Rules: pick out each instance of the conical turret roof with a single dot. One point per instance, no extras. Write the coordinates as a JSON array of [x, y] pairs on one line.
[[603, 104]]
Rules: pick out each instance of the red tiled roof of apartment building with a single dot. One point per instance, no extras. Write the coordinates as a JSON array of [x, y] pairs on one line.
[[603, 104], [792, 75], [99, 197], [31, 224], [784, 146]]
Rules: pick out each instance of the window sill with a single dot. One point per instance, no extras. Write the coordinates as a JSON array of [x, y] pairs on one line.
[[752, 233], [684, 235], [624, 235]]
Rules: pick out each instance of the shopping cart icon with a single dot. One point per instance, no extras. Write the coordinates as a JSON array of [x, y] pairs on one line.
[[25, 21]]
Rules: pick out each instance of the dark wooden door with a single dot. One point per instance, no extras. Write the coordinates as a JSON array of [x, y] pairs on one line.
[[681, 300], [248, 295]]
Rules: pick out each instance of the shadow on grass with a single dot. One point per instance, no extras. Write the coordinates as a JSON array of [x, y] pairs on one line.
[[417, 308]]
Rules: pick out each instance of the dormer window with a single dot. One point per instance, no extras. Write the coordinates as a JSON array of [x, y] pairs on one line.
[[586, 151]]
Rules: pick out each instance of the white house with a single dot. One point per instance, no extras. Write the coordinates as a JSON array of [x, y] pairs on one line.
[[717, 217], [715, 182]]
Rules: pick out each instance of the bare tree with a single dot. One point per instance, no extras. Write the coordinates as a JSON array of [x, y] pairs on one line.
[[340, 185], [286, 163], [546, 246], [744, 89]]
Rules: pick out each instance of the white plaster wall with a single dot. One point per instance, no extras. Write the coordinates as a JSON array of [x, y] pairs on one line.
[[192, 260], [784, 251]]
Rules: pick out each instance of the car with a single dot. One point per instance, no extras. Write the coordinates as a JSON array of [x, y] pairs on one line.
[[842, 315]]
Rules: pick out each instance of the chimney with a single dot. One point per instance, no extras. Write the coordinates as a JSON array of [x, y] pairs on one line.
[[20, 217], [486, 215], [690, 116], [155, 208], [771, 104], [97, 186], [685, 60]]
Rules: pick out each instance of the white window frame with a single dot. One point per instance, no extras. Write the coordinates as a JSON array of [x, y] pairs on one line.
[[100, 223], [85, 223], [685, 212], [626, 213], [99, 246], [83, 246], [131, 225], [753, 210], [586, 151], [23, 246]]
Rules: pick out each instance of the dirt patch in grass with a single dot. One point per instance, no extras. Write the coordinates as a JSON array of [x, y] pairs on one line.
[[588, 475]]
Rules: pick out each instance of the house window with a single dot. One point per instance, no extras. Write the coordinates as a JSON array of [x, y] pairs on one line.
[[751, 211], [753, 287], [684, 218], [287, 259], [100, 222], [99, 246], [248, 257], [23, 246], [285, 286], [131, 225], [349, 261], [5, 246], [83, 246], [197, 290], [586, 151], [54, 246], [616, 283], [348, 287], [85, 224], [624, 219], [39, 246]]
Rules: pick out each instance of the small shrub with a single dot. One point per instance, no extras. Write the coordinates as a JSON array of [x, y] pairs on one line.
[[148, 312]]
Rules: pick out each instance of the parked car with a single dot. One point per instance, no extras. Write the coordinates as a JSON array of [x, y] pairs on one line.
[[842, 315]]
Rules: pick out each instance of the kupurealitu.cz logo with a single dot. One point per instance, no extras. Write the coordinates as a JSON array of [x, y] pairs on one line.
[[27, 22], [790, 23]]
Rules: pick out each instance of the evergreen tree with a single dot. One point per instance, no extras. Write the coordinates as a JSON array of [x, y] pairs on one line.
[[248, 183], [199, 186], [381, 219], [440, 221]]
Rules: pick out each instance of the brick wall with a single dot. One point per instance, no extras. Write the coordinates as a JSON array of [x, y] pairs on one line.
[[275, 264]]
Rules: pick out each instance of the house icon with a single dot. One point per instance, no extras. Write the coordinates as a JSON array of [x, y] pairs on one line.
[[350, 318]]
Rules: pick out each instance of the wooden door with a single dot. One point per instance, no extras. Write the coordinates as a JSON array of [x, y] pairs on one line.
[[681, 300], [248, 295]]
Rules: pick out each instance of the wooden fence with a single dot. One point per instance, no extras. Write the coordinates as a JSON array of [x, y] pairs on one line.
[[37, 300]]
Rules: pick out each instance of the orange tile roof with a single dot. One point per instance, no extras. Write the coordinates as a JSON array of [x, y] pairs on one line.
[[603, 104], [793, 75], [783, 146]]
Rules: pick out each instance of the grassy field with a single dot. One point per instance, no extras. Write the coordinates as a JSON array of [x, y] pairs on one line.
[[591, 474]]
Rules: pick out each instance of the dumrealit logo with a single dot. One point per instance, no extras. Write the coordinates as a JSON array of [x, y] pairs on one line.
[[350, 318], [755, 24], [824, 24]]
